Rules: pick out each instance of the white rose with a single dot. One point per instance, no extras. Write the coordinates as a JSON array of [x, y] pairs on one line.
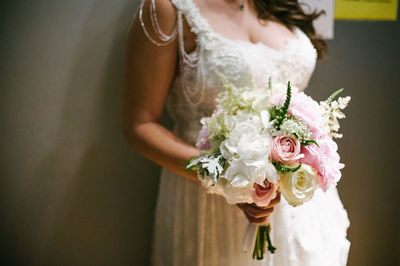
[[299, 187]]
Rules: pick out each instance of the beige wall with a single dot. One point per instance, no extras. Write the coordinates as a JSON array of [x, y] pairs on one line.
[[72, 190]]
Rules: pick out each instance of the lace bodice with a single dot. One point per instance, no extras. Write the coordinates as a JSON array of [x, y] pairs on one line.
[[197, 84]]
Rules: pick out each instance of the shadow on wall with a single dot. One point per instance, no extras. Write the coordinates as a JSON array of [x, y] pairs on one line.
[[90, 200], [103, 208]]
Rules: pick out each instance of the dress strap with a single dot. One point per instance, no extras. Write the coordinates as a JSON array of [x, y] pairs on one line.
[[196, 21]]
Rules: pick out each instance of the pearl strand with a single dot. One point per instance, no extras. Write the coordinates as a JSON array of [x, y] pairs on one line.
[[165, 39]]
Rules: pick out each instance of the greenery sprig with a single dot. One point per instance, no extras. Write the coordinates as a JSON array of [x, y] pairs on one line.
[[285, 169], [285, 106], [333, 96], [211, 165], [279, 114]]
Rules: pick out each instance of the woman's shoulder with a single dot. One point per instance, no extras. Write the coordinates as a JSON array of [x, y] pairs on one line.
[[158, 20], [163, 10]]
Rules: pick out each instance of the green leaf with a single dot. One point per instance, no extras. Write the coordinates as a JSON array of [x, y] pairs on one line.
[[282, 112], [189, 167], [275, 112], [308, 142], [285, 169]]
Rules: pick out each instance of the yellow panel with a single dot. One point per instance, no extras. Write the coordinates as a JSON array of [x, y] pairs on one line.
[[366, 9]]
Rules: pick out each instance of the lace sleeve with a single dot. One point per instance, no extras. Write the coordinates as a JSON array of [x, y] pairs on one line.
[[150, 24]]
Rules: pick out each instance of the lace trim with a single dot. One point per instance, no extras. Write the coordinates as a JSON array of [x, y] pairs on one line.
[[196, 21], [164, 38], [200, 26]]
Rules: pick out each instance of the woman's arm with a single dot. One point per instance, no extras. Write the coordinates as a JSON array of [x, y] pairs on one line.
[[149, 72]]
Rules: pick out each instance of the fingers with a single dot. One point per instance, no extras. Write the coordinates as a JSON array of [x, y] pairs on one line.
[[255, 211], [258, 212], [257, 221], [276, 200], [259, 215]]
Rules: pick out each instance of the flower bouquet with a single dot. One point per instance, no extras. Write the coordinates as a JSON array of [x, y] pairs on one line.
[[259, 140]]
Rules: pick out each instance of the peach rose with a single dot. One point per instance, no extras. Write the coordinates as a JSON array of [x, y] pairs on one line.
[[264, 194]]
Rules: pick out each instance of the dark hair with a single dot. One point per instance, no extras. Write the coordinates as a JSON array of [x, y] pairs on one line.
[[291, 14]]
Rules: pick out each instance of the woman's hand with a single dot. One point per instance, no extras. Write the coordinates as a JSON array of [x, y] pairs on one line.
[[259, 215]]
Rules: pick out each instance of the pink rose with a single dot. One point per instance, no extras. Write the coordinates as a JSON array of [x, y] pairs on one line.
[[325, 159], [202, 141], [285, 149], [264, 194]]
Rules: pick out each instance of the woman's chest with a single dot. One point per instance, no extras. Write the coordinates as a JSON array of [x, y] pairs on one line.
[[242, 61]]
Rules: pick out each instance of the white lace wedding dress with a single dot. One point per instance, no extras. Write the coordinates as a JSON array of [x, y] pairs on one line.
[[196, 228]]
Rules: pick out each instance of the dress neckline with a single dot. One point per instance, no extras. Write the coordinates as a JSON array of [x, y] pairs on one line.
[[204, 25]]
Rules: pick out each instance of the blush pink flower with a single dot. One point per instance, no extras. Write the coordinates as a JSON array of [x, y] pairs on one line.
[[202, 141], [305, 109], [325, 159], [285, 149], [264, 194]]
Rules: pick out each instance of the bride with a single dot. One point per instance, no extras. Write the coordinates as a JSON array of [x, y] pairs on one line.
[[175, 50]]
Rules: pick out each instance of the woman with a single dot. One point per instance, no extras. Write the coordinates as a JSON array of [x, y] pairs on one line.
[[175, 50]]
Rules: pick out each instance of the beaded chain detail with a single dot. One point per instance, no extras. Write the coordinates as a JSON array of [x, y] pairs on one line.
[[164, 38]]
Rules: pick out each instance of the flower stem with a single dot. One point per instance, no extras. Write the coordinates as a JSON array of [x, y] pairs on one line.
[[271, 248], [259, 247]]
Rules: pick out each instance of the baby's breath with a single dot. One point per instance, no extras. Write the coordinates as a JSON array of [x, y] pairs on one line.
[[292, 126]]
